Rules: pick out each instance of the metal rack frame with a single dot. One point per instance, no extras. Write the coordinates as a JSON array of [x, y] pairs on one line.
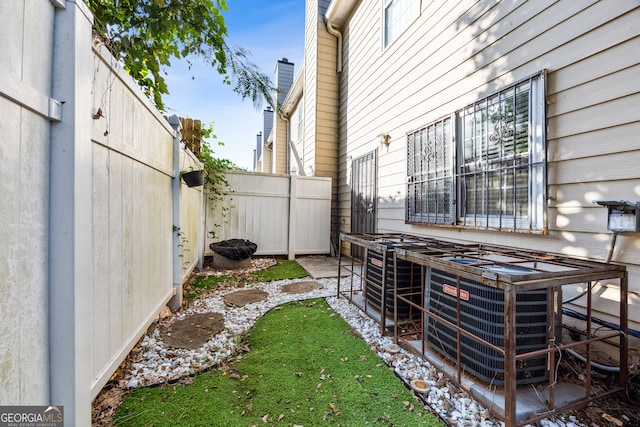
[[357, 294], [550, 272]]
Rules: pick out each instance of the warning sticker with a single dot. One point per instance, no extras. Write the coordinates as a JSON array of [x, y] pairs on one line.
[[451, 290], [376, 262]]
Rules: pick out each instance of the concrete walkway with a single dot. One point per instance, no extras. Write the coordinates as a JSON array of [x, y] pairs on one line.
[[320, 267]]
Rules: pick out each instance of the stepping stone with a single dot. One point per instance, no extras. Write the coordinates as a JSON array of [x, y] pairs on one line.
[[193, 331], [300, 287], [242, 298]]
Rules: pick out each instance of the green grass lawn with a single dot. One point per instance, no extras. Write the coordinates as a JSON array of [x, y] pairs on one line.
[[304, 368], [284, 269]]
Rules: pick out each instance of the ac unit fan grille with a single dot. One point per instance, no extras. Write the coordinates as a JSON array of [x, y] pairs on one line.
[[482, 314]]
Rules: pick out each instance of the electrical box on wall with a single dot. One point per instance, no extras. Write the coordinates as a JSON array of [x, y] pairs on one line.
[[623, 216]]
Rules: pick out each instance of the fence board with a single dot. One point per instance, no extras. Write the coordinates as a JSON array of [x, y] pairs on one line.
[[258, 209]]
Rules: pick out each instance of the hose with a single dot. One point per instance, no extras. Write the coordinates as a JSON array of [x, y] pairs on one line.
[[596, 365], [580, 316]]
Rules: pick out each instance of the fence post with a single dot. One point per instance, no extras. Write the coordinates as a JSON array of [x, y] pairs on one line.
[[176, 186], [202, 227], [293, 199], [70, 218]]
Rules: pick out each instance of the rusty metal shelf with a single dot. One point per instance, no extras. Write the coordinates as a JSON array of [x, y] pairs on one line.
[[490, 265]]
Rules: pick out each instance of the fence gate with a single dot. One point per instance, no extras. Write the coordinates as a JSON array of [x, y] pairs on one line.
[[363, 196]]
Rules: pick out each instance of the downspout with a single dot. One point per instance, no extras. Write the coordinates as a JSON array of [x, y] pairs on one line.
[[337, 34], [176, 188], [292, 147]]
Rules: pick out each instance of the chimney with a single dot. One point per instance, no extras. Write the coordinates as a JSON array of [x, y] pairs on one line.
[[259, 145], [284, 79], [267, 120]]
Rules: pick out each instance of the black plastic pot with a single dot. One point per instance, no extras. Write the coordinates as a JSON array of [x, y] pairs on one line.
[[236, 249], [193, 178]]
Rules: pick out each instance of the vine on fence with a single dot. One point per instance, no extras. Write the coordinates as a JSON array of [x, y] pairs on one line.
[[215, 169]]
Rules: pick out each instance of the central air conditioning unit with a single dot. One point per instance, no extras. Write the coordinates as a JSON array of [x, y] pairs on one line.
[[482, 314], [406, 273]]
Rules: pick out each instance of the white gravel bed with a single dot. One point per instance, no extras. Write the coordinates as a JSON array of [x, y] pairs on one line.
[[156, 363]]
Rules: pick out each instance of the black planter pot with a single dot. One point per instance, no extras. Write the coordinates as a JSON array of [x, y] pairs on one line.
[[193, 178]]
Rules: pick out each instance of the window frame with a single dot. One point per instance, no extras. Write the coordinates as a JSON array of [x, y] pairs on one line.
[[508, 167], [388, 39], [436, 167]]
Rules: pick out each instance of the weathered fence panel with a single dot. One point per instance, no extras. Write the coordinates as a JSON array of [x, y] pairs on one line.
[[25, 130], [89, 177], [133, 168], [311, 215], [259, 209], [191, 219]]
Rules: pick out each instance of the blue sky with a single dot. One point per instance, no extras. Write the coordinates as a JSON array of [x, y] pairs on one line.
[[270, 30]]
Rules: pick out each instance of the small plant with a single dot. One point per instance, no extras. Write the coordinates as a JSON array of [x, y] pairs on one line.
[[182, 246], [215, 169]]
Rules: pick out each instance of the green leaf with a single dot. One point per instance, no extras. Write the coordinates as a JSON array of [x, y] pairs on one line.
[[147, 34]]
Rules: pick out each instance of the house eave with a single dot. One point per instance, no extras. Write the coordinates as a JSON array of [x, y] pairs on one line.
[[339, 11], [294, 95]]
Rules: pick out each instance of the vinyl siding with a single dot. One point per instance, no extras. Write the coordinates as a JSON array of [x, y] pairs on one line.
[[321, 101], [279, 146], [457, 52]]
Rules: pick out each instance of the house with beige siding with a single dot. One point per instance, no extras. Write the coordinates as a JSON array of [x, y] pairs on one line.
[[476, 121]]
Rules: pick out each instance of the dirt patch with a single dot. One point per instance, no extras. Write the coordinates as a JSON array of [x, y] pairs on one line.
[[242, 298], [192, 331], [300, 287]]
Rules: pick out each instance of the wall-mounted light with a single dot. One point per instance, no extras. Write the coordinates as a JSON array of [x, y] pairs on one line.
[[385, 139]]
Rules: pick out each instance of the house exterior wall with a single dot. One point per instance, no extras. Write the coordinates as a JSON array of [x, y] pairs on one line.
[[321, 101], [320, 96], [303, 150], [267, 160], [457, 52]]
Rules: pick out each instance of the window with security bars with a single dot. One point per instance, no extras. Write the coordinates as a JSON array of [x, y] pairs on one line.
[[497, 173], [430, 177]]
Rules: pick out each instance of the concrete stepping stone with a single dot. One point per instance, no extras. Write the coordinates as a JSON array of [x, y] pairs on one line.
[[300, 287], [242, 298], [192, 331]]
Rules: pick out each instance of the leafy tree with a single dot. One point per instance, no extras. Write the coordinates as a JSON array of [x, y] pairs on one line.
[[147, 34]]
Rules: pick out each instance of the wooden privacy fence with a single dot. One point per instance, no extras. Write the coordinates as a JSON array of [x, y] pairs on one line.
[[283, 215], [191, 133]]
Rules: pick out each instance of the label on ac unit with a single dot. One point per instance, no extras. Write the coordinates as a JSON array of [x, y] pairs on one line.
[[376, 262], [453, 291]]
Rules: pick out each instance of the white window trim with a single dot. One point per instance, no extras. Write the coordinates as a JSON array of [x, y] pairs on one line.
[[385, 6]]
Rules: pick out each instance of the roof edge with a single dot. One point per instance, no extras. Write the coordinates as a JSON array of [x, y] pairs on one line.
[[339, 11]]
